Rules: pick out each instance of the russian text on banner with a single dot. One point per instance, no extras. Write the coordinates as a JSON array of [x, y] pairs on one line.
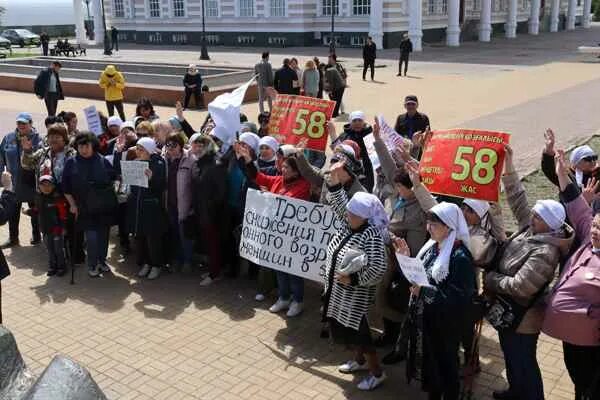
[[298, 118], [287, 234], [464, 163]]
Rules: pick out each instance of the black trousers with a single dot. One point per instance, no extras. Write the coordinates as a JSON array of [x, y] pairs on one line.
[[45, 49], [150, 250], [51, 100], [369, 64], [114, 44], [583, 365], [13, 222], [118, 104], [403, 59], [197, 97], [336, 96]]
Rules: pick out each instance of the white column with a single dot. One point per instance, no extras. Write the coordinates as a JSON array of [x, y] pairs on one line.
[[79, 26], [587, 13], [485, 22], [554, 11], [571, 10], [453, 30], [98, 28], [376, 22], [534, 17], [510, 28], [415, 24]]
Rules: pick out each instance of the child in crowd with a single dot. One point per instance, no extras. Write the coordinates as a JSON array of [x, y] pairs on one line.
[[53, 213]]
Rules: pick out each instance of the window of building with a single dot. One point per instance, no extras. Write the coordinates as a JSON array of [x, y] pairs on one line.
[[357, 41], [154, 7], [180, 38], [444, 6], [431, 6], [118, 9], [361, 7], [212, 8], [277, 8], [327, 5], [212, 39], [476, 5], [179, 8], [246, 8]]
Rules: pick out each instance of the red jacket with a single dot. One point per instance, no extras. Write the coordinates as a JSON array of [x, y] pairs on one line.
[[298, 188]]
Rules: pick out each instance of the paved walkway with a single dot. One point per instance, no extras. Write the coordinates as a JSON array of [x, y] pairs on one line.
[[170, 339]]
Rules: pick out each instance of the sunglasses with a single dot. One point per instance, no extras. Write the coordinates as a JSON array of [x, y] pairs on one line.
[[171, 145], [590, 158]]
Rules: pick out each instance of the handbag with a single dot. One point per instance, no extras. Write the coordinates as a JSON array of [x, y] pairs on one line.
[[101, 199], [504, 313]]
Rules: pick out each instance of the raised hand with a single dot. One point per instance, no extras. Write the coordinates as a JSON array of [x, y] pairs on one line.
[[589, 190], [508, 160], [376, 129], [561, 164], [412, 167], [179, 110], [334, 173], [550, 141], [401, 246]]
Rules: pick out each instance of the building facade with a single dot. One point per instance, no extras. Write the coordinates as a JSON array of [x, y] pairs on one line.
[[279, 23]]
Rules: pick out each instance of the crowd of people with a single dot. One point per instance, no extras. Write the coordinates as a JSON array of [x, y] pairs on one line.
[[196, 195]]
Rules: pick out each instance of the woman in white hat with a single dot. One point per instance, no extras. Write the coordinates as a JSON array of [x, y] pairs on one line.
[[524, 271], [192, 83]]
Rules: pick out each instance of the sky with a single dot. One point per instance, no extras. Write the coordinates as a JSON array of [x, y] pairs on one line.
[[37, 12]]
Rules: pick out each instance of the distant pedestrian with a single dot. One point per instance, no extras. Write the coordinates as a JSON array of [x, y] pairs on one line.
[[369, 56], [310, 79], [406, 48], [44, 40], [286, 79], [321, 68], [114, 38], [334, 85], [113, 83], [192, 82], [47, 86], [264, 80]]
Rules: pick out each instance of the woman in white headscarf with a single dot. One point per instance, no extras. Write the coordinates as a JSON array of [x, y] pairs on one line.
[[436, 310], [521, 277], [356, 262]]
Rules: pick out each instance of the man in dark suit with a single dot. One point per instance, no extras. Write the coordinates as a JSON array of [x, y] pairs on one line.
[[369, 55], [44, 40], [47, 86], [286, 79], [114, 38], [406, 48], [8, 200]]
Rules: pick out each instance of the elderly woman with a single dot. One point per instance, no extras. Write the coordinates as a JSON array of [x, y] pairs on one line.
[[88, 186], [192, 83], [524, 271], [573, 312], [435, 311], [356, 260], [291, 184], [179, 199]]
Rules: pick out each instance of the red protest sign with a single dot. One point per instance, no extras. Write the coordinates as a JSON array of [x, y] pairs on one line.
[[298, 118], [464, 163]]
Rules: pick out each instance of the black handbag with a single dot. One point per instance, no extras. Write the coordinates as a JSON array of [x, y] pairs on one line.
[[397, 293], [101, 199], [503, 313]]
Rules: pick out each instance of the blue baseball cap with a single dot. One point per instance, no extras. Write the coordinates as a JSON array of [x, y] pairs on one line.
[[24, 117]]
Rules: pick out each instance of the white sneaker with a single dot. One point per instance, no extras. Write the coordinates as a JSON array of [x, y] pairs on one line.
[[371, 382], [94, 273], [279, 305], [352, 366], [144, 271], [154, 273], [259, 297], [105, 267], [295, 309], [206, 281]]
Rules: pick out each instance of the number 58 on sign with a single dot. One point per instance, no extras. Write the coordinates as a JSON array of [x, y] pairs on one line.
[[464, 163], [297, 119]]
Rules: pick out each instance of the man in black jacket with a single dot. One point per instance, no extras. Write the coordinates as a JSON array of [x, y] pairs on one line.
[[412, 121], [47, 86], [8, 201], [406, 48], [44, 40], [114, 38], [369, 55], [286, 79]]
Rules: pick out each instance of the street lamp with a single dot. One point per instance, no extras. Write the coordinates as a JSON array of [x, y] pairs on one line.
[[203, 49], [332, 39], [107, 51]]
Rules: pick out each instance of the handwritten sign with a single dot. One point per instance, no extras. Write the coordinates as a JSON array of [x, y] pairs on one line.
[[134, 173], [298, 118], [93, 120], [287, 234], [464, 163], [413, 270]]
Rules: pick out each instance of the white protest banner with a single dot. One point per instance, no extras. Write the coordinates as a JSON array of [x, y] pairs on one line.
[[390, 137], [93, 120], [287, 234], [413, 270], [225, 108], [134, 173]]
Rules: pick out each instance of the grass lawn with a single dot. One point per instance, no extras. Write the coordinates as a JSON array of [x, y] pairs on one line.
[[22, 52]]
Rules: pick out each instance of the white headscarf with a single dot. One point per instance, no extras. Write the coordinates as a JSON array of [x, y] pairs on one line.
[[368, 206], [480, 207], [578, 154], [552, 212], [251, 139], [451, 215]]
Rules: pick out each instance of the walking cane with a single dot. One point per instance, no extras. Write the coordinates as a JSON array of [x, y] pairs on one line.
[[471, 367], [67, 246]]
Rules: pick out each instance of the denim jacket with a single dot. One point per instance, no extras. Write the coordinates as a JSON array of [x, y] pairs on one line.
[[10, 152]]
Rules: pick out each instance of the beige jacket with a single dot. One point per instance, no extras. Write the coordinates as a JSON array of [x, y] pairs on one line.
[[529, 260]]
